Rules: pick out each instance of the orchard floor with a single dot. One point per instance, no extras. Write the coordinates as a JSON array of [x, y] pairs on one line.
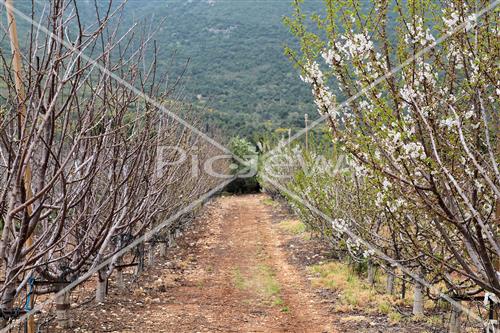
[[228, 273], [233, 270]]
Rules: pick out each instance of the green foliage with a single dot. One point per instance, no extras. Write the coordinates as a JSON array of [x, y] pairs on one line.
[[243, 149], [417, 132], [244, 165], [294, 227], [236, 72], [227, 54]]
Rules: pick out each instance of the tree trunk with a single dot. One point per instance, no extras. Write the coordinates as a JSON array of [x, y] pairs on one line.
[[151, 254], [163, 249], [120, 282], [171, 239], [390, 283], [62, 310], [371, 273], [7, 302], [101, 290], [418, 299], [140, 257], [455, 320], [403, 289]]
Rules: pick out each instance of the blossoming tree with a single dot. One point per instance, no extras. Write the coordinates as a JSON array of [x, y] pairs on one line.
[[410, 92]]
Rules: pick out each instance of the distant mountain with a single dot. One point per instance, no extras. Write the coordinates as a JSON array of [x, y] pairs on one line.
[[236, 70], [236, 61]]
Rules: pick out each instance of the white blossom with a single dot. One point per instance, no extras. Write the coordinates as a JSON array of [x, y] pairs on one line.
[[449, 122], [414, 150]]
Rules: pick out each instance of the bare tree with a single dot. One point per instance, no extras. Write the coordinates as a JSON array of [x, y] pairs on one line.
[[94, 145]]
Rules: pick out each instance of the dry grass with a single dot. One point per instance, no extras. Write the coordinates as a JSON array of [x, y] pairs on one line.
[[355, 319], [353, 292]]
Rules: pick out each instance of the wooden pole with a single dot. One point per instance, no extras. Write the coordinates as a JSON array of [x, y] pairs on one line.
[[497, 217], [307, 132], [21, 95], [497, 222]]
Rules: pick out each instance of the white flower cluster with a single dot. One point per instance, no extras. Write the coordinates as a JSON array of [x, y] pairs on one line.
[[339, 225], [357, 46], [414, 150], [353, 245], [359, 168], [380, 199], [425, 73], [331, 55], [368, 253], [377, 68], [451, 21], [385, 198], [366, 106], [419, 82], [453, 18], [395, 205], [449, 122], [323, 98], [313, 74], [419, 34], [407, 93], [386, 184]]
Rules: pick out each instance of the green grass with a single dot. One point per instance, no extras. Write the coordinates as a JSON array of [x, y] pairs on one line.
[[385, 307], [270, 202], [434, 320], [294, 227], [262, 282], [354, 292], [285, 309], [238, 279], [394, 317], [266, 283]]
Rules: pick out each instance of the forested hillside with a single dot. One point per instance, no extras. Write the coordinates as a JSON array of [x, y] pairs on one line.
[[237, 71]]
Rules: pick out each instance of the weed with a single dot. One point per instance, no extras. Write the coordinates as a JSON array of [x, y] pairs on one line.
[[294, 227], [434, 321], [278, 301], [353, 292], [394, 317], [270, 202], [384, 307], [338, 276], [268, 284], [238, 279], [418, 318]]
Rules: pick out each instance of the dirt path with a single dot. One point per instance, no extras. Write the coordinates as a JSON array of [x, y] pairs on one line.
[[229, 273]]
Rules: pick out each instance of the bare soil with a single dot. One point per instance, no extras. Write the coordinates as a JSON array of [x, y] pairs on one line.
[[233, 270], [228, 273]]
